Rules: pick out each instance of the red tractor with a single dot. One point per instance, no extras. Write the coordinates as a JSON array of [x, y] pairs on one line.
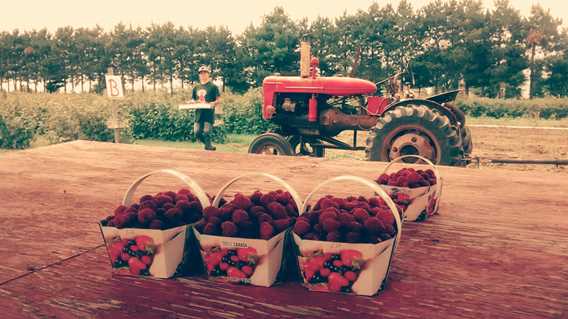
[[310, 111]]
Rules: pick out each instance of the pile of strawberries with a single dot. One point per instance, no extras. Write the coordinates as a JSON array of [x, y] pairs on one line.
[[256, 216], [238, 263], [161, 211], [351, 220], [408, 177], [137, 254], [336, 271]]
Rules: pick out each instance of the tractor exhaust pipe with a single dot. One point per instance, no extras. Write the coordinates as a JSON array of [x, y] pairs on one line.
[[334, 121]]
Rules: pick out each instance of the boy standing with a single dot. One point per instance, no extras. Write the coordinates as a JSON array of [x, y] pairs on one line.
[[205, 92]]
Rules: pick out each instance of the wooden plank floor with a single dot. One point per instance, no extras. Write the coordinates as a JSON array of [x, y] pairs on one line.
[[498, 249]]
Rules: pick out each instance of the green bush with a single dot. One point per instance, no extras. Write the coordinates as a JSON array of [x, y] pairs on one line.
[[243, 113], [166, 122], [15, 133], [95, 128], [545, 108]]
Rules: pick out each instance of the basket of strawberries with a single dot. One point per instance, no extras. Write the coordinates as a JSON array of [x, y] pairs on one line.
[[242, 240], [346, 244], [417, 191], [148, 237]]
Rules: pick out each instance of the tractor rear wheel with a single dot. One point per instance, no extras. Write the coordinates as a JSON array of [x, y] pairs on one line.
[[306, 147], [270, 144], [414, 130]]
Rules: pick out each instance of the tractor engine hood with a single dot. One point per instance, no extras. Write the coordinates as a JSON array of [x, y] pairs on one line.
[[339, 86]]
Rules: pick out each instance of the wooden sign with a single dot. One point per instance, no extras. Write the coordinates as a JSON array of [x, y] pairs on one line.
[[114, 86]]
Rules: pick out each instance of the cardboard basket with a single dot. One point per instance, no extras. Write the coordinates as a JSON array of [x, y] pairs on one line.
[[161, 251], [374, 260], [264, 256], [424, 200]]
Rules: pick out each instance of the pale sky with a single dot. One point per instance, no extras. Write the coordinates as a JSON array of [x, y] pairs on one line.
[[235, 14]]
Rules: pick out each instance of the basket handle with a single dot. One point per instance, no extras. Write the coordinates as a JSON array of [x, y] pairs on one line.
[[372, 185], [278, 180], [425, 160], [193, 186]]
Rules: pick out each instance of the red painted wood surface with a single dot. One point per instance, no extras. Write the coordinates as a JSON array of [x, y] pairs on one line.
[[499, 248]]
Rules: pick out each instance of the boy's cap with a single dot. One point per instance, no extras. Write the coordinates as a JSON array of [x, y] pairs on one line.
[[204, 68]]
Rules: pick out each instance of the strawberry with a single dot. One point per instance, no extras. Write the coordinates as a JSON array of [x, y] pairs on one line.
[[161, 200], [351, 258], [125, 257], [266, 230], [386, 217], [143, 241], [116, 250], [350, 275], [184, 191], [403, 198], [211, 229], [256, 210], [374, 225], [213, 259], [325, 272], [266, 199], [292, 209], [277, 210], [333, 236], [331, 225], [136, 266], [233, 272], [119, 209], [146, 198], [302, 226], [242, 202], [247, 270], [235, 258], [328, 213], [174, 215], [229, 229], [283, 198], [147, 260], [239, 216], [309, 274], [316, 263], [360, 214], [223, 266], [255, 197], [246, 254], [345, 218], [281, 224], [327, 203], [336, 282], [264, 217], [146, 215], [337, 263]]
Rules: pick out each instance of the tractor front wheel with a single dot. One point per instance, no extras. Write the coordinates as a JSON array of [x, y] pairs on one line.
[[415, 130], [271, 144]]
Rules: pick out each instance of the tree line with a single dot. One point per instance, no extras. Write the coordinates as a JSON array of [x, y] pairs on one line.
[[442, 45]]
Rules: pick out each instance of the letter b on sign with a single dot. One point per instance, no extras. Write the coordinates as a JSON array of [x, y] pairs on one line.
[[114, 86]]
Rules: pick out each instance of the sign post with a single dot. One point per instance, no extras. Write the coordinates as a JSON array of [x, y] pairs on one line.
[[114, 91]]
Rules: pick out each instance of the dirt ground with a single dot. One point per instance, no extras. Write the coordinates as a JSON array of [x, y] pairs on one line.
[[499, 143]]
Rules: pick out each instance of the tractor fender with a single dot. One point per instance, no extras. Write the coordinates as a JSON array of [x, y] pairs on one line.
[[428, 103]]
